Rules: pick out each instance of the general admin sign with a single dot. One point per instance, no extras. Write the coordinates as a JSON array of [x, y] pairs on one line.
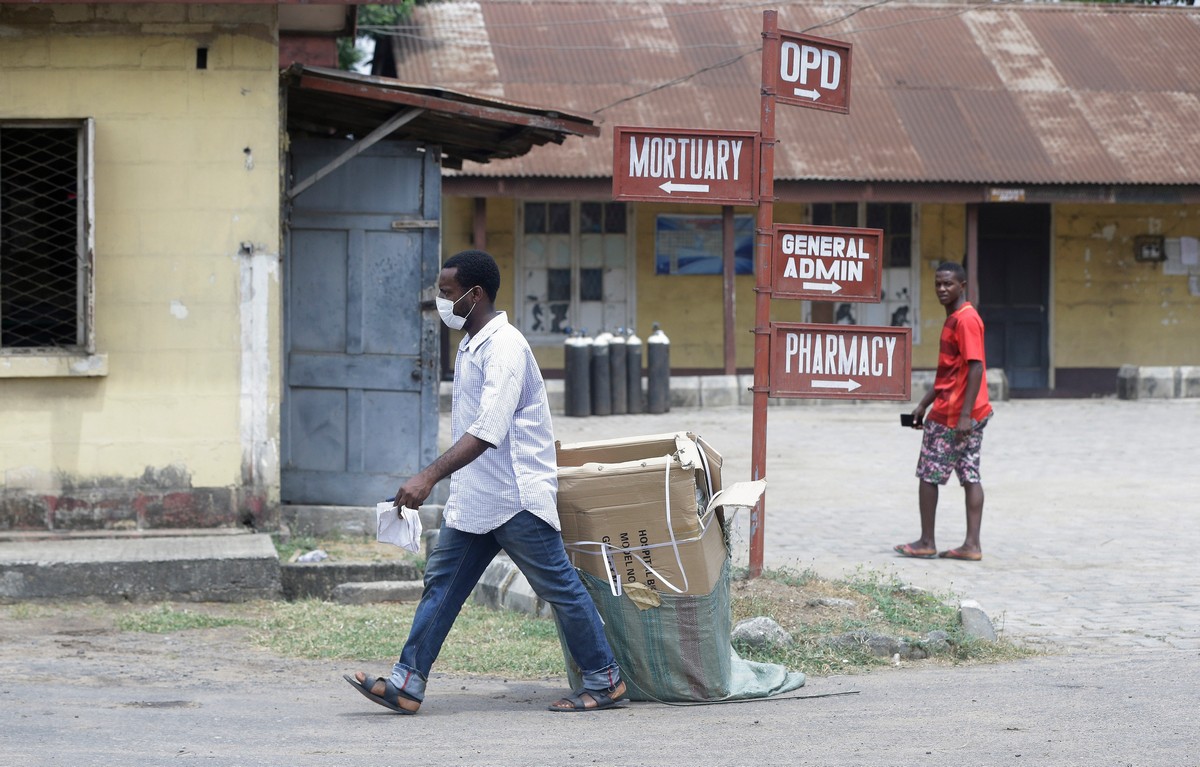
[[827, 263], [682, 165]]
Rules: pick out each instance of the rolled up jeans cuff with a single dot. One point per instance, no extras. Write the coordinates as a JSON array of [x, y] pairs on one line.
[[410, 681], [604, 679]]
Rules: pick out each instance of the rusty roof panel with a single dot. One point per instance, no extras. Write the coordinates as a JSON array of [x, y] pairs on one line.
[[941, 92]]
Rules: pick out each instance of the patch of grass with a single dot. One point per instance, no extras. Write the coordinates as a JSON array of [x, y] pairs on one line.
[[483, 641], [343, 548], [867, 604], [23, 611], [293, 545], [516, 646], [165, 619]]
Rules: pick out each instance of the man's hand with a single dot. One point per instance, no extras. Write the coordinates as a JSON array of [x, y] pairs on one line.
[[918, 417], [964, 426], [414, 492]]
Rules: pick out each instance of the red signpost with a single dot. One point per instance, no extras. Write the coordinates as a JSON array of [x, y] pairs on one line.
[[809, 72], [824, 263], [804, 262], [840, 361], [681, 165]]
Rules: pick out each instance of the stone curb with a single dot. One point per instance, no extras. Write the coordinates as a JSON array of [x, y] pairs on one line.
[[1158, 382], [504, 587], [199, 568], [319, 580], [371, 592]]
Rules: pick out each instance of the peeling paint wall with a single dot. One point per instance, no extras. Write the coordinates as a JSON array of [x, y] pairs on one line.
[[943, 238], [187, 281], [1112, 310]]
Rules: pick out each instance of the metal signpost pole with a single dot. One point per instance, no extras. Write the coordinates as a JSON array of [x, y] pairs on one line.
[[763, 249]]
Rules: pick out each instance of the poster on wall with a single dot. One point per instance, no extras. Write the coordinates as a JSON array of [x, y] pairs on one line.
[[895, 308], [693, 244]]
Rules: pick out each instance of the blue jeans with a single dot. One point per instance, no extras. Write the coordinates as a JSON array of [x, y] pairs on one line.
[[456, 566]]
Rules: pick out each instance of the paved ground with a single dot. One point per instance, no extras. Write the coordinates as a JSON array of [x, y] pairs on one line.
[[1091, 524], [1089, 535]]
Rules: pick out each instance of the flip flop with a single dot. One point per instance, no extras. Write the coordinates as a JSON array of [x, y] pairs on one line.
[[906, 550], [603, 699], [391, 693], [966, 556]]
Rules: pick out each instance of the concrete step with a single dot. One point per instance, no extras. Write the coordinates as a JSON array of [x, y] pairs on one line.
[[221, 565], [213, 566], [319, 580]]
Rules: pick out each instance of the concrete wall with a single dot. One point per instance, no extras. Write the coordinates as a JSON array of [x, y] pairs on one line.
[[1110, 310], [183, 429]]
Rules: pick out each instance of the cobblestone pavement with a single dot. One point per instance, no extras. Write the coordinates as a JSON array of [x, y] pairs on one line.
[[1091, 525]]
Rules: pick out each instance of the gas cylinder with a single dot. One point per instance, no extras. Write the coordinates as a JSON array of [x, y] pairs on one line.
[[577, 379], [658, 355], [601, 375], [633, 373], [616, 361]]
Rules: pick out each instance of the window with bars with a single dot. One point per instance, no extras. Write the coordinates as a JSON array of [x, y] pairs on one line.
[[898, 303], [45, 236], [573, 268]]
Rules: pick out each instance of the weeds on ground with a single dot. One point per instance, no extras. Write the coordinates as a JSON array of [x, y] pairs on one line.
[[500, 643], [165, 619], [346, 548], [829, 621]]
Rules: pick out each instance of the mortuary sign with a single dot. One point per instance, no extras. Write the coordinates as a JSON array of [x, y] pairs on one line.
[[682, 165], [827, 263], [840, 361]]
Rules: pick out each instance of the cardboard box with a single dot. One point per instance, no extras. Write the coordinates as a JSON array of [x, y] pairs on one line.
[[630, 511]]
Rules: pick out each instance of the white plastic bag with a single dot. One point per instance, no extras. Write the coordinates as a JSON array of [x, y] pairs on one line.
[[399, 527]]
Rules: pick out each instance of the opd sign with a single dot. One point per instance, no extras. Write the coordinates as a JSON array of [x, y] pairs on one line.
[[682, 165], [827, 263], [813, 72], [840, 361]]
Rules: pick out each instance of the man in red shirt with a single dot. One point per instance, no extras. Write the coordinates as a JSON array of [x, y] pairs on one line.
[[954, 429]]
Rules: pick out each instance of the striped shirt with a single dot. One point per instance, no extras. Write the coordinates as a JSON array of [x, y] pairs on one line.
[[500, 397]]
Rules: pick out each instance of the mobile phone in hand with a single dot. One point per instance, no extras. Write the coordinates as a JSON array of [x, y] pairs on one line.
[[906, 420]]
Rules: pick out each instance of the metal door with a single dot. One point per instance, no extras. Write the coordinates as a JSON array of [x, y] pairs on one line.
[[1014, 280], [360, 332]]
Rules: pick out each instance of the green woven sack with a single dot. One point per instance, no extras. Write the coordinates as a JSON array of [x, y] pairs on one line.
[[680, 651]]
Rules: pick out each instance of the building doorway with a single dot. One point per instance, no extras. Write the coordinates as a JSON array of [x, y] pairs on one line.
[[1014, 292]]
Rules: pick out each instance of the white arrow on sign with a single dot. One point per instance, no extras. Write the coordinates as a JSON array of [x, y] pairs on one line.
[[671, 186], [832, 287], [808, 94], [849, 384]]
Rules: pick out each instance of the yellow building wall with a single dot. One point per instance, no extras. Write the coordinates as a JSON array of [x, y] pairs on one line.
[[1106, 309], [943, 237], [186, 171], [1111, 310]]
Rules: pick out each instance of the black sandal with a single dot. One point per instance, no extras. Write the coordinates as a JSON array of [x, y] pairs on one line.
[[609, 698], [391, 694]]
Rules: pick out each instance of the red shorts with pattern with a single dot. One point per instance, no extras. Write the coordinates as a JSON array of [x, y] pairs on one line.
[[944, 452]]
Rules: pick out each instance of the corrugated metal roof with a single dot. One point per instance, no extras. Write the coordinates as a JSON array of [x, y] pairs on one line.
[[466, 126], [941, 92]]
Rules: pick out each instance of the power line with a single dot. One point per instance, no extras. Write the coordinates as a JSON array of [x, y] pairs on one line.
[[733, 60]]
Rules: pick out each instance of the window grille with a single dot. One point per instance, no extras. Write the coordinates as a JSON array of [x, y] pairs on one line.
[[45, 230], [573, 268]]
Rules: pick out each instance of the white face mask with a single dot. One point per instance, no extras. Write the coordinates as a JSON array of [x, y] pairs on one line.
[[445, 308]]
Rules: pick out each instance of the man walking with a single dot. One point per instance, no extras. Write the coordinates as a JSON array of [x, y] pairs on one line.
[[953, 432], [503, 490]]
